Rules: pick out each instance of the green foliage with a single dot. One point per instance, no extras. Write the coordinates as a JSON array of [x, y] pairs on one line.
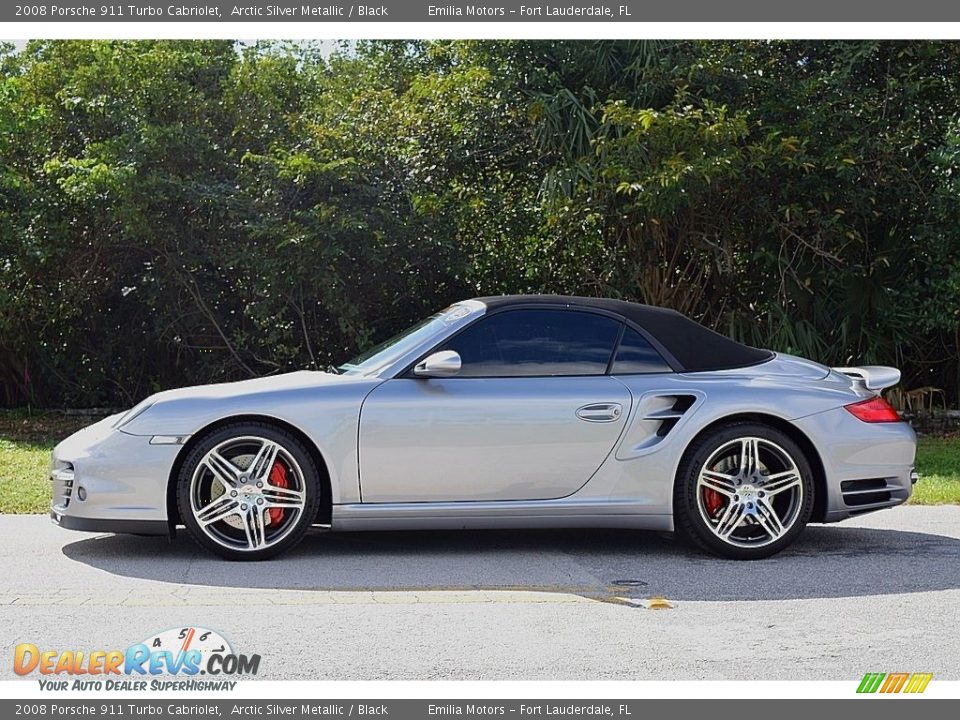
[[190, 211], [938, 462]]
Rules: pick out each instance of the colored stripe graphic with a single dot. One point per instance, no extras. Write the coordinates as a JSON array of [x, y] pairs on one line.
[[894, 682], [918, 682], [870, 682]]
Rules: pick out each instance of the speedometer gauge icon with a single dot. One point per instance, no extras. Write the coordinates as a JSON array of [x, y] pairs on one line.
[[180, 641]]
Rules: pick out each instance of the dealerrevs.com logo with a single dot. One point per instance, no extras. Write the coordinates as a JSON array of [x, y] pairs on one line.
[[899, 682], [179, 652]]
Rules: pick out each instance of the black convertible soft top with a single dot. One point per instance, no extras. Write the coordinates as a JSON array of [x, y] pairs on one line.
[[694, 347]]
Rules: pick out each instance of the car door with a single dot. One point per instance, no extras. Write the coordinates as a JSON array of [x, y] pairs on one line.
[[531, 415]]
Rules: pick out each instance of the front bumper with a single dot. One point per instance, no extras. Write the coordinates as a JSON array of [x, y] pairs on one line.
[[132, 527], [868, 466], [105, 480]]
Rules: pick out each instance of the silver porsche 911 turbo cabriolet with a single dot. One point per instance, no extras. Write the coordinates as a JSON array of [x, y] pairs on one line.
[[504, 412]]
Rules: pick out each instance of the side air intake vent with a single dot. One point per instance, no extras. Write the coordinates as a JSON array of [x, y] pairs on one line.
[[669, 417], [656, 416]]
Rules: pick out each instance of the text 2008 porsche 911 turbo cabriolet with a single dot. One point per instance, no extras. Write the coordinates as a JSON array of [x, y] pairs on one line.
[[504, 412]]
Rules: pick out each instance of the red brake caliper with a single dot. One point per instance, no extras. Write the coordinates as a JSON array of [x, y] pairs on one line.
[[713, 500], [278, 477]]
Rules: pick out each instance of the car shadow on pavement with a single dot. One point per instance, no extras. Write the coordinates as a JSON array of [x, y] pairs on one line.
[[825, 562]]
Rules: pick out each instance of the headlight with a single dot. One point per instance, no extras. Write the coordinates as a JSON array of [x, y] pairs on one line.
[[132, 413]]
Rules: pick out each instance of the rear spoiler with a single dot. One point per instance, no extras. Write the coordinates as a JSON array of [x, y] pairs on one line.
[[873, 377]]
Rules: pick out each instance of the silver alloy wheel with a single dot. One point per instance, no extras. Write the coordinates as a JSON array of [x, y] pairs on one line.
[[233, 490], [757, 492]]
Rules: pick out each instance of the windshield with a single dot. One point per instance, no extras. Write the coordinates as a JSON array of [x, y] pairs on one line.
[[386, 353]]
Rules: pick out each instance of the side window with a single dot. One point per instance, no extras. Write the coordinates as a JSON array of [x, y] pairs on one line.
[[525, 343], [636, 356]]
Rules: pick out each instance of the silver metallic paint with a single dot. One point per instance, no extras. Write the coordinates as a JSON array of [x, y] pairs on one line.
[[618, 473], [456, 439]]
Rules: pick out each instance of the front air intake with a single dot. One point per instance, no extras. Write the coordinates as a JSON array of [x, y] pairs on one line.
[[63, 479]]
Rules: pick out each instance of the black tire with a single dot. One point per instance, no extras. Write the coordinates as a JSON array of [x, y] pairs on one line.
[[689, 513], [296, 454]]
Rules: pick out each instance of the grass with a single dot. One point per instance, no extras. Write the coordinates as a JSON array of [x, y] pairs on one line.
[[938, 462], [24, 476], [26, 442]]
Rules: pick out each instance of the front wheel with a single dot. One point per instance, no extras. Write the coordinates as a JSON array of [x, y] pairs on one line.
[[744, 491], [248, 491]]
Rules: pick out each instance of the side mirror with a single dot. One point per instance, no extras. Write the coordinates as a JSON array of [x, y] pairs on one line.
[[445, 363]]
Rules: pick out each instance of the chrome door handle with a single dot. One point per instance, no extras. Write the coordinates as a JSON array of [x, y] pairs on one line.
[[600, 412]]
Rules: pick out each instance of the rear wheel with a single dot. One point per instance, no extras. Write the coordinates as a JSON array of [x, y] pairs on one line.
[[743, 491], [248, 491]]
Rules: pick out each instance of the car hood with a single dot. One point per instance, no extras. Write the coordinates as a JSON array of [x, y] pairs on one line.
[[284, 397], [301, 379]]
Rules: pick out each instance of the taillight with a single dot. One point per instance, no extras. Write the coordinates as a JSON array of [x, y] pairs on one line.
[[874, 410]]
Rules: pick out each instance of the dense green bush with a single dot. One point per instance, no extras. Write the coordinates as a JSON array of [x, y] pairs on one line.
[[174, 212]]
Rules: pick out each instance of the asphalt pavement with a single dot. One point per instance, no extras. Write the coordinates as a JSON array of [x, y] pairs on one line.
[[879, 593]]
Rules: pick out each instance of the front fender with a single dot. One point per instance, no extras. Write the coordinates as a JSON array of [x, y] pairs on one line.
[[327, 414]]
